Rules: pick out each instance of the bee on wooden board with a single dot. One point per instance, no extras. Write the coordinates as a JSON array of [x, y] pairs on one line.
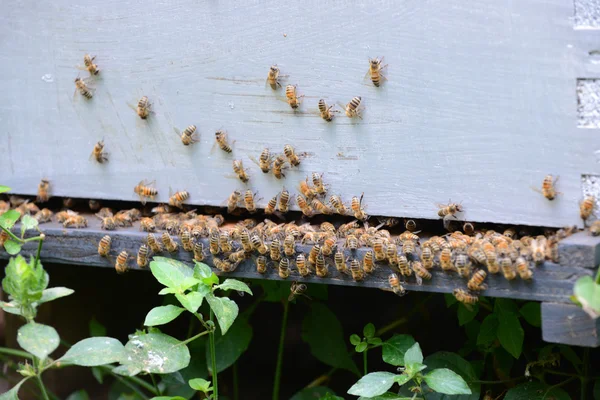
[[465, 297], [233, 200], [356, 270], [306, 190], [297, 289], [292, 98], [83, 88], [374, 71], [271, 206], [420, 272], [358, 209], [595, 228], [169, 243], [304, 206], [147, 225], [108, 223], [284, 201], [338, 205], [291, 155], [188, 136], [395, 284], [301, 265], [273, 77], [145, 191], [143, 108], [275, 250], [446, 211], [261, 264], [142, 256], [476, 282], [353, 108], [340, 262], [43, 216], [222, 141], [258, 244], [284, 268], [154, 244], [586, 207], [523, 268], [321, 265], [240, 172], [319, 186], [279, 166], [104, 246], [369, 262], [404, 266], [199, 254], [548, 187], [75, 221], [289, 245], [325, 110], [88, 62], [186, 241], [176, 199], [43, 192], [121, 263], [249, 201], [98, 152], [264, 160]]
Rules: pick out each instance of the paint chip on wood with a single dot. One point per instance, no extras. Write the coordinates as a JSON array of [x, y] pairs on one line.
[[590, 186], [588, 103], [587, 14]]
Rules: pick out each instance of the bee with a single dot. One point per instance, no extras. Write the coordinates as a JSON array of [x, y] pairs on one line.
[[104, 245], [446, 259], [379, 250], [336, 202], [238, 168], [548, 187], [249, 201], [586, 207], [83, 88], [143, 108], [75, 221], [523, 268], [318, 184], [296, 289], [188, 136], [284, 201], [98, 152], [340, 261], [233, 201], [44, 215], [327, 227], [409, 247], [351, 243], [147, 225], [43, 194], [410, 225], [304, 206], [275, 250], [225, 241], [88, 62], [469, 228], [325, 111], [284, 268], [312, 255], [272, 77], [595, 228], [199, 254], [264, 161], [369, 262], [420, 271], [301, 265], [213, 242], [245, 239], [177, 199], [476, 281], [3, 237], [291, 155], [356, 270], [352, 108], [261, 264], [391, 253], [375, 68], [186, 241], [271, 206], [292, 96], [169, 243], [447, 211], [320, 207], [154, 244], [403, 265], [237, 257], [258, 244], [278, 166], [464, 297], [321, 265], [538, 251], [144, 190], [121, 263], [123, 219], [221, 140], [357, 209], [289, 245], [427, 257], [108, 223], [329, 245], [462, 265], [142, 256], [395, 284], [94, 205], [223, 265]]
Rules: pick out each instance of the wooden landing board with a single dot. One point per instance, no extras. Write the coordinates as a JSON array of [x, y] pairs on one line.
[[480, 101], [80, 246]]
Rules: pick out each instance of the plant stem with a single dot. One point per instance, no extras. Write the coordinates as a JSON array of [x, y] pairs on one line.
[[213, 357], [500, 382], [186, 341], [365, 361], [598, 277], [286, 306], [39, 249], [15, 352], [42, 387], [12, 235], [190, 327], [236, 394], [135, 379], [154, 384]]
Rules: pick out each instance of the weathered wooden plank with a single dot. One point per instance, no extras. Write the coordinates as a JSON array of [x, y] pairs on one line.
[[580, 249], [478, 106], [73, 246], [569, 324]]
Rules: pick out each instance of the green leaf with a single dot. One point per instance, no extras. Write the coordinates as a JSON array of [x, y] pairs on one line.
[[449, 299], [329, 396], [323, 333], [13, 248], [96, 328], [373, 384], [587, 294], [162, 315], [202, 271], [191, 301], [9, 219], [12, 393], [162, 398], [375, 341], [317, 291], [92, 352], [155, 353], [369, 330], [355, 339], [175, 384], [12, 308], [171, 273], [234, 284], [27, 223], [413, 368], [54, 293], [225, 310], [532, 313], [466, 315], [505, 306], [38, 339], [313, 393], [98, 374], [536, 391], [395, 348], [568, 353], [79, 395], [390, 396], [511, 334], [362, 346], [459, 365], [167, 290], [403, 378], [445, 381], [413, 355], [24, 282], [201, 385], [231, 346], [488, 331], [4, 189]]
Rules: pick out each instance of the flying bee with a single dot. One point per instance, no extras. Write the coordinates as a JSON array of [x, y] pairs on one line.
[[325, 110], [548, 187], [225, 242], [289, 245], [176, 199], [427, 257], [188, 136], [271, 206], [351, 243], [238, 168], [169, 243], [369, 262], [258, 244], [272, 77], [98, 153], [44, 215], [301, 265], [379, 250], [275, 250], [279, 166], [88, 62], [395, 284], [297, 289], [186, 241], [329, 245], [261, 264], [284, 201], [199, 254], [83, 88], [476, 281], [222, 142], [357, 209], [43, 192], [104, 246], [356, 270], [523, 268], [304, 206], [336, 202], [464, 297], [291, 155], [374, 71], [340, 261], [142, 256], [321, 265], [121, 263], [284, 268], [586, 207], [144, 107], [264, 160], [312, 255], [249, 201], [75, 221], [420, 271], [595, 228], [154, 244], [352, 109], [292, 98], [403, 265], [144, 190], [446, 259], [233, 200]]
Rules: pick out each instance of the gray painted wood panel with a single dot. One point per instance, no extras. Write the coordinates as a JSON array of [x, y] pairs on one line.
[[569, 324], [480, 103]]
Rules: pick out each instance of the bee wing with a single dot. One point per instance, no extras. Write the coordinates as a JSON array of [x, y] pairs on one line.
[[367, 75]]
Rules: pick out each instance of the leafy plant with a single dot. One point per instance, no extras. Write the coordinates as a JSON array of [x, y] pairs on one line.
[[368, 341], [586, 294]]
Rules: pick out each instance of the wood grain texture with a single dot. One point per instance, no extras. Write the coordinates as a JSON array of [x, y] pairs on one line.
[[569, 324], [551, 282], [480, 103], [580, 249]]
